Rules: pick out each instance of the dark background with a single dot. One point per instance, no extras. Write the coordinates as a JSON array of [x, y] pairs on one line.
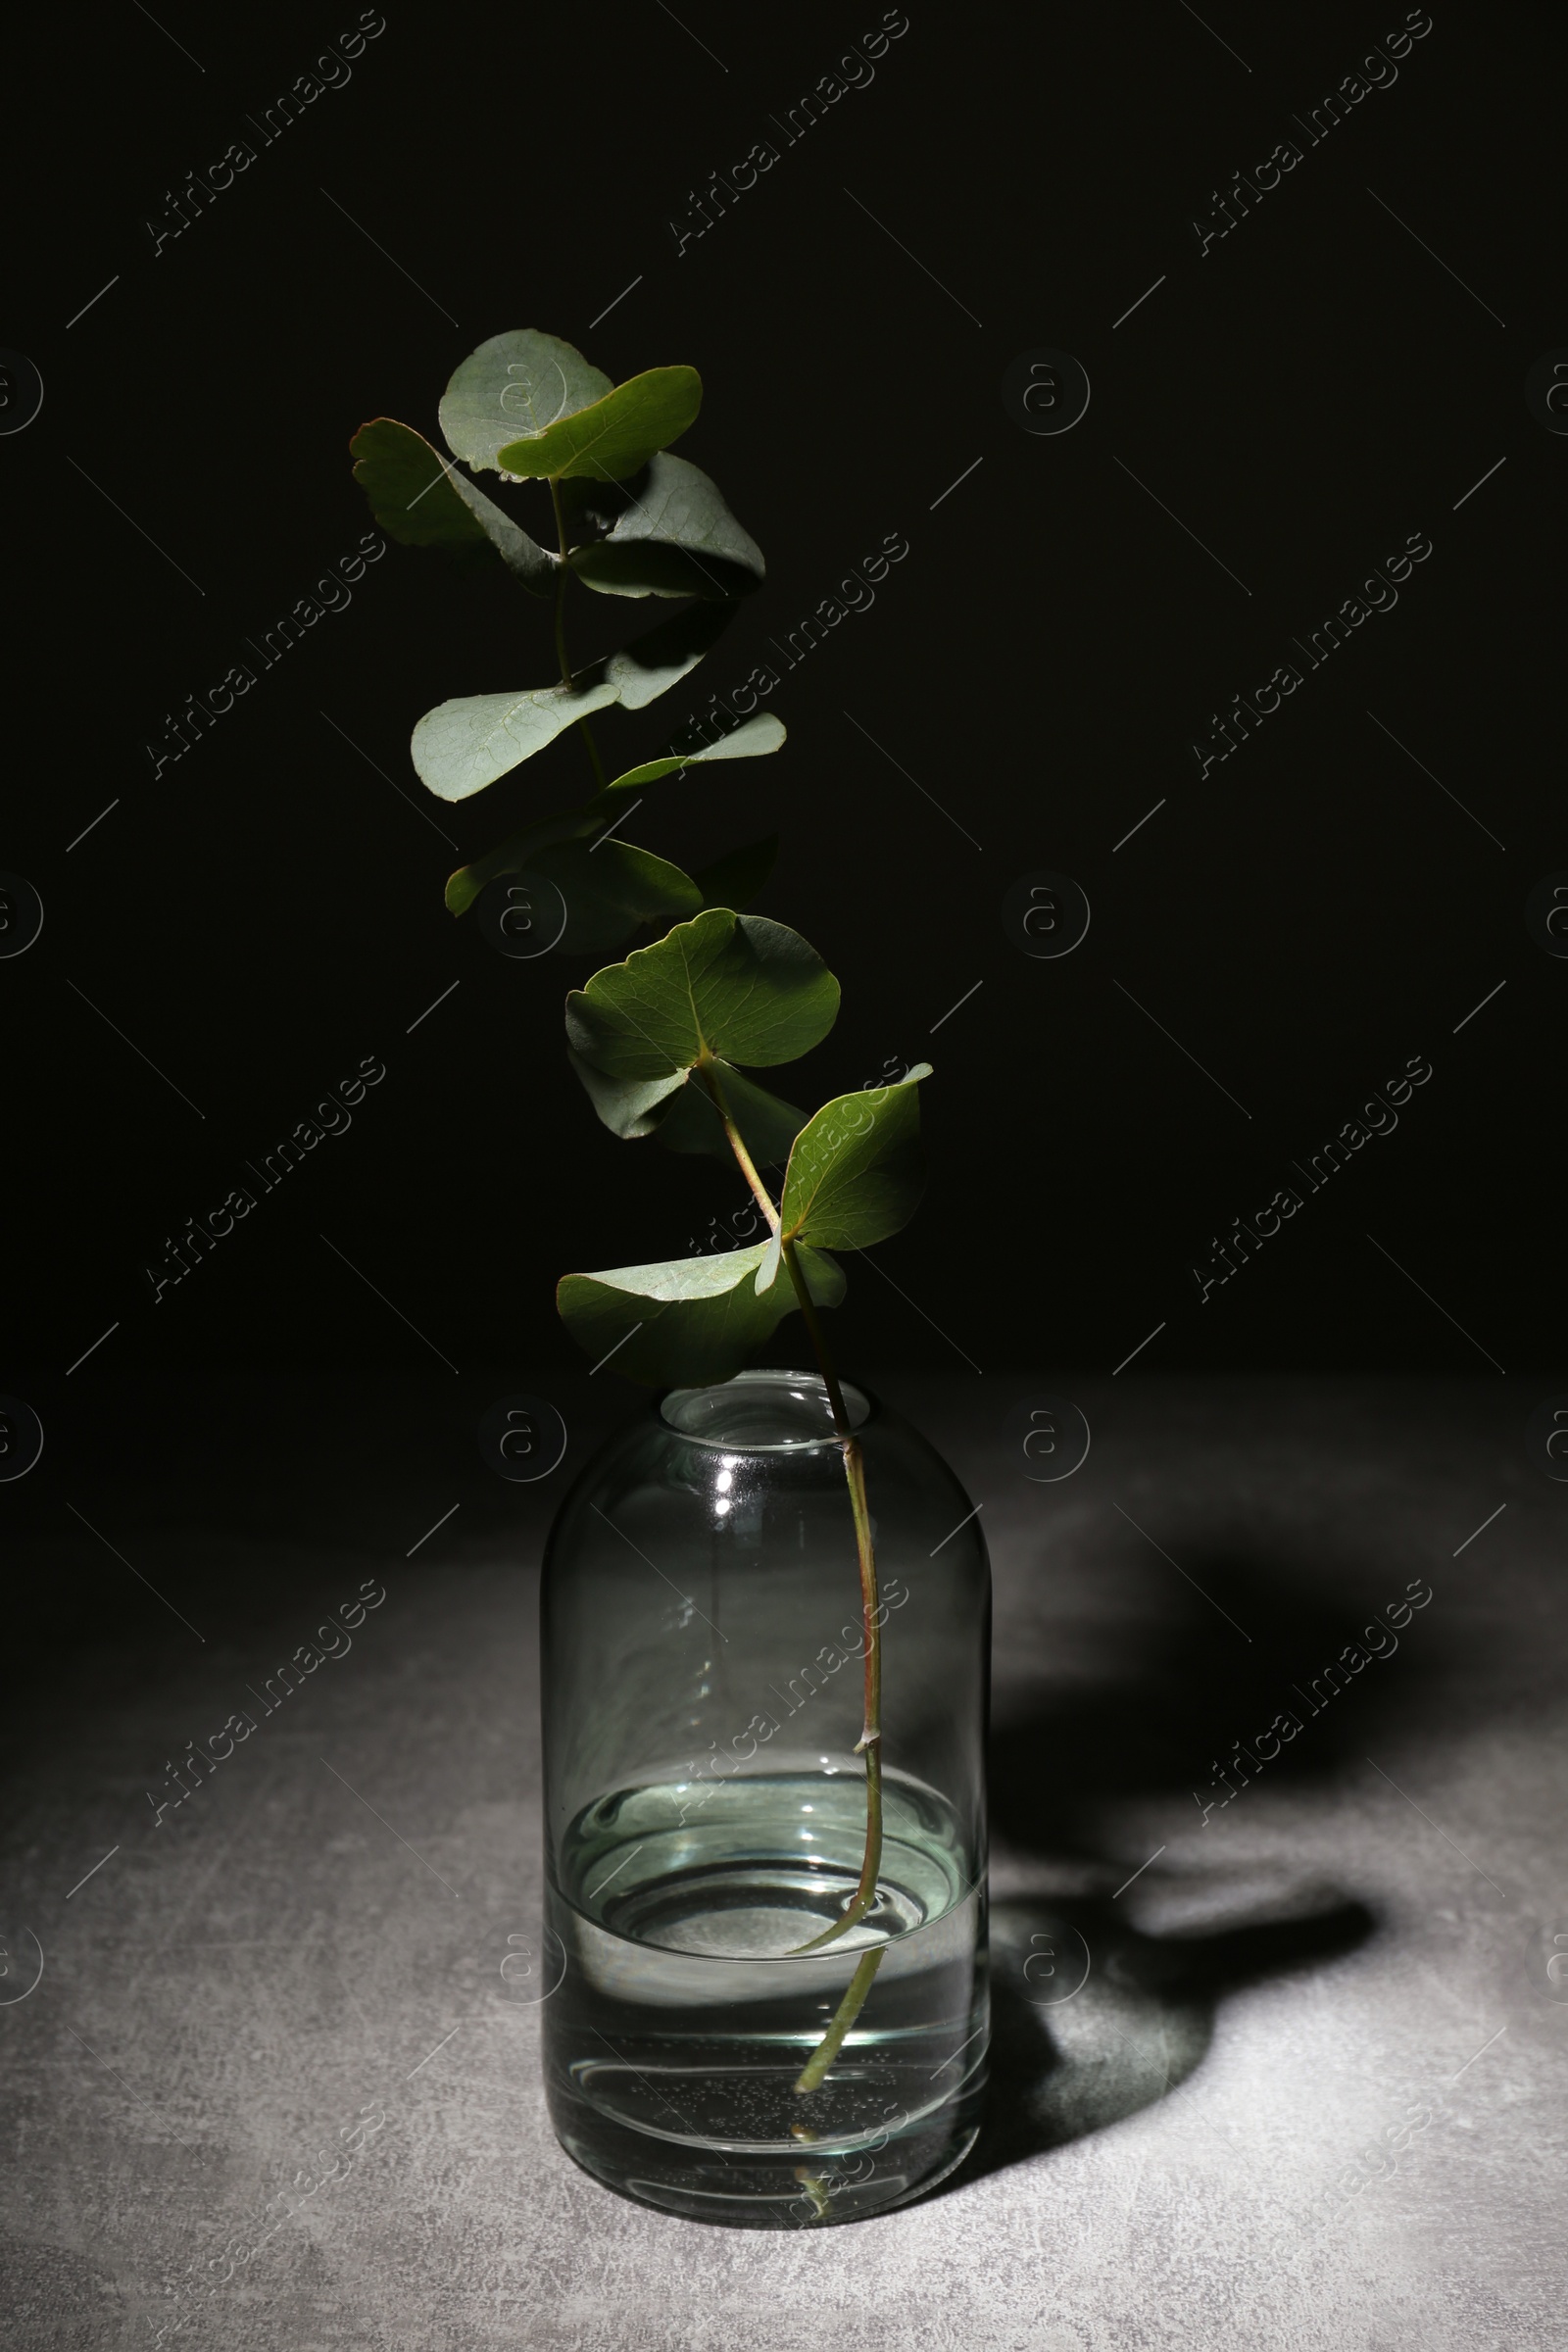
[[1304, 920], [221, 1468]]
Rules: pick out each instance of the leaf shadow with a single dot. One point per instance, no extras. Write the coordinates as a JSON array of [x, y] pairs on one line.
[[1093, 2021], [1103, 2002]]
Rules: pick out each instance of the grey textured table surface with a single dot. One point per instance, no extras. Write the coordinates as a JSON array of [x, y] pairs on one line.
[[305, 1956]]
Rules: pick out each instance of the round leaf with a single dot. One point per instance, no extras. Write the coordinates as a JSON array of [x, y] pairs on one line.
[[857, 1171], [610, 888], [462, 745], [672, 536], [730, 984], [521, 382], [421, 499]]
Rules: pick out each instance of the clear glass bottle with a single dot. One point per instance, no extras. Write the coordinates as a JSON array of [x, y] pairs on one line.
[[706, 1810]]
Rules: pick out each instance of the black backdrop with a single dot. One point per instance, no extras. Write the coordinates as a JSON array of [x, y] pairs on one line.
[[1278, 415]]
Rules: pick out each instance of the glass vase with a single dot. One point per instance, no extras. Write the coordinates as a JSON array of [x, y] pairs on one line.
[[706, 1803]]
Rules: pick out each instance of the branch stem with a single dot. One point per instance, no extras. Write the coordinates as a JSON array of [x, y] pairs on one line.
[[849, 2009], [870, 1744]]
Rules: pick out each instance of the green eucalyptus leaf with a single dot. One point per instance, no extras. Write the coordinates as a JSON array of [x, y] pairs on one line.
[[673, 537], [610, 888], [748, 741], [735, 880], [857, 1171], [730, 984], [616, 437], [690, 1320], [629, 1107], [462, 745], [421, 499], [521, 382]]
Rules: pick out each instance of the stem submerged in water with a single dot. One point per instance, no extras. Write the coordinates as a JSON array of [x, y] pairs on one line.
[[849, 2009], [870, 1744]]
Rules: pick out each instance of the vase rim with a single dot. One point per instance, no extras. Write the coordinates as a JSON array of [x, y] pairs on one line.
[[697, 1415]]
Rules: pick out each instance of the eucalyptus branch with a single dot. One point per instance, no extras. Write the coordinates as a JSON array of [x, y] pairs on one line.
[[723, 992]]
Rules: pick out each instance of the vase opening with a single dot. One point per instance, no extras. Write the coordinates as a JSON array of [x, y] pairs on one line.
[[761, 1412]]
